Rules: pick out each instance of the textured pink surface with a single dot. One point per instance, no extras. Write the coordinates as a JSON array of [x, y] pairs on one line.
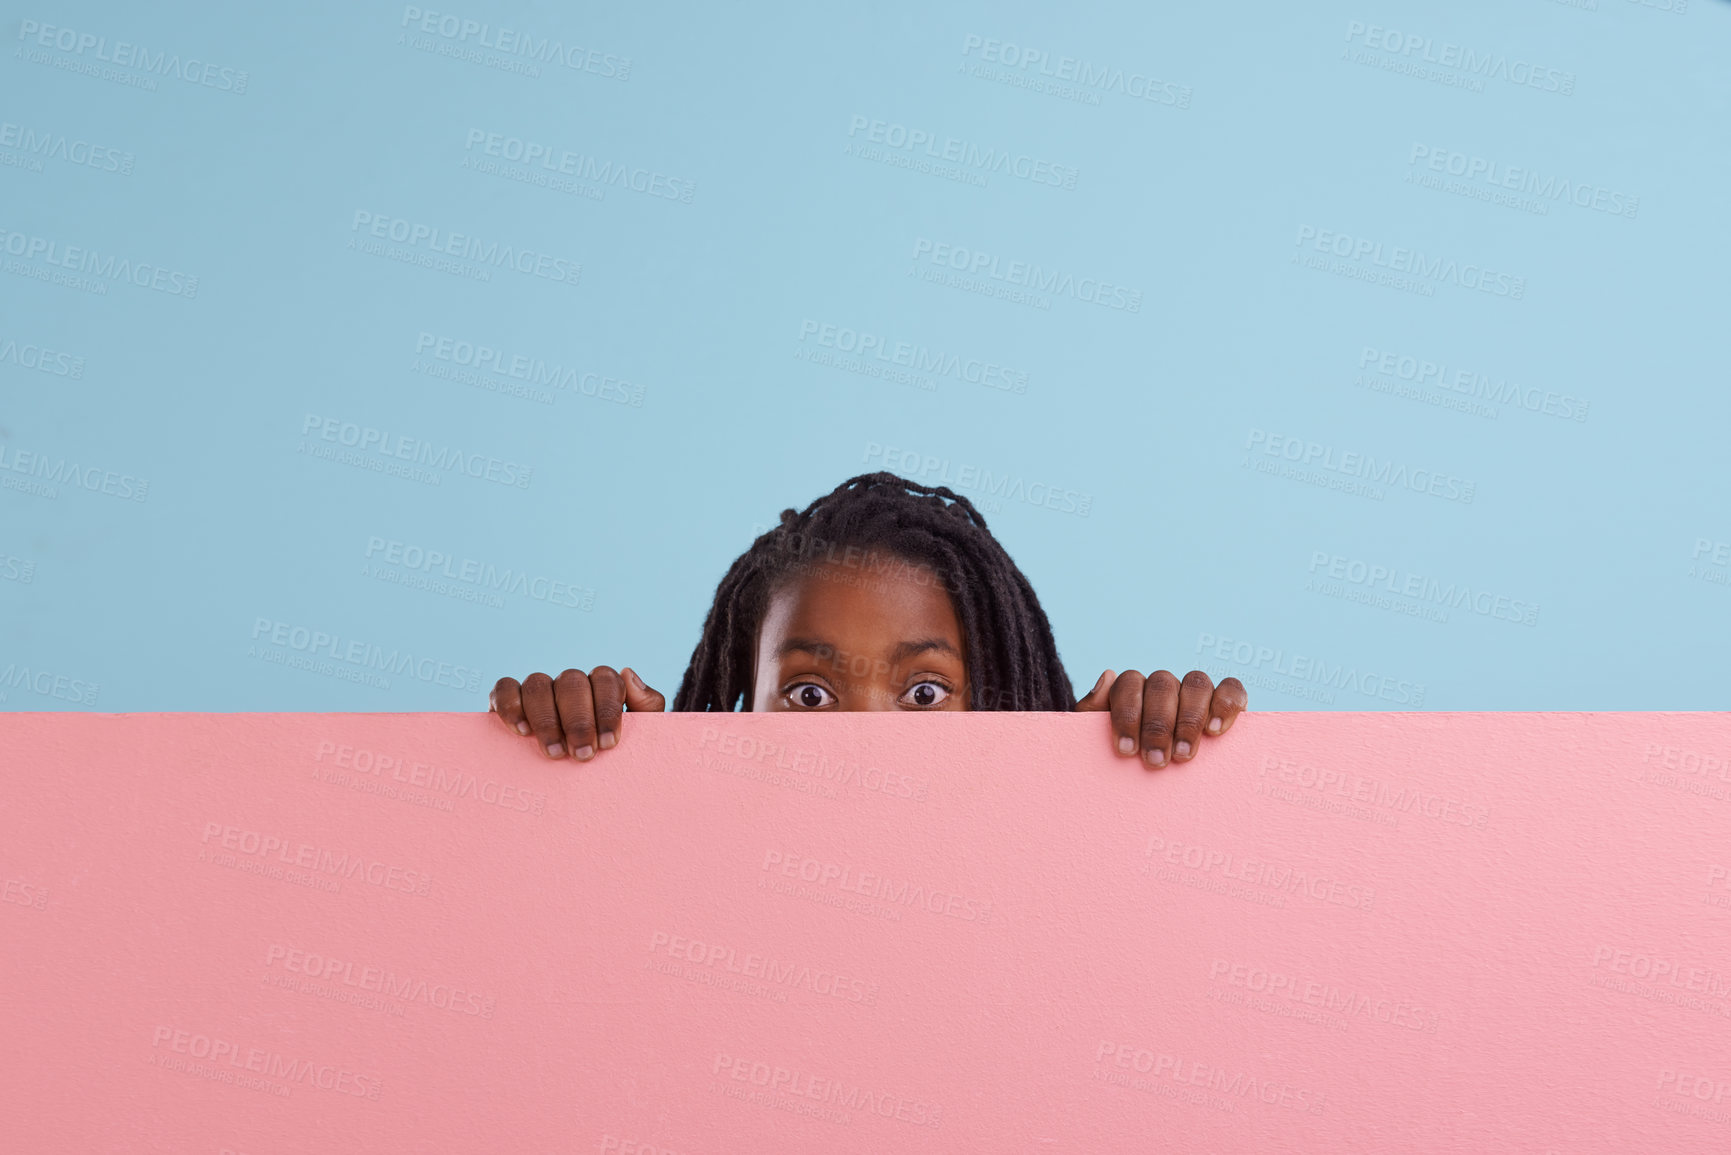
[[1331, 932]]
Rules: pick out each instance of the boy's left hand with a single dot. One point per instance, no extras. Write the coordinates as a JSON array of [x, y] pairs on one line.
[[1162, 717]]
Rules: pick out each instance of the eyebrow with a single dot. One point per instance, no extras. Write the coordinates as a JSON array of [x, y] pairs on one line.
[[924, 646], [821, 649], [812, 646]]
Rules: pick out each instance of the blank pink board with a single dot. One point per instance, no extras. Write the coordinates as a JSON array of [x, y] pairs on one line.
[[959, 932]]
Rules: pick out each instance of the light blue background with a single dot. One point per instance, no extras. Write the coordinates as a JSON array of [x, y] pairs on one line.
[[157, 604]]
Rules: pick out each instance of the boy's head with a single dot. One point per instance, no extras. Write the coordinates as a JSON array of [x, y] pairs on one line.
[[883, 594]]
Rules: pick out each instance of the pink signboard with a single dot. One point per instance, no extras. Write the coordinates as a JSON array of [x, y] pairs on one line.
[[866, 932]]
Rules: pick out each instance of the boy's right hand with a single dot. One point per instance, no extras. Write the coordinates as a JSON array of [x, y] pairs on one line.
[[575, 712]]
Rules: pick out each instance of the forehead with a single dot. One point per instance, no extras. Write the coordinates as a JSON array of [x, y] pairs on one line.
[[861, 606]]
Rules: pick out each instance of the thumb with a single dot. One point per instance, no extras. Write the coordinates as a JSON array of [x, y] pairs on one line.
[[1099, 698], [639, 696]]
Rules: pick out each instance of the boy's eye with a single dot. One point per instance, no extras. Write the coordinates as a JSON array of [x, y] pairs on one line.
[[927, 694], [810, 695]]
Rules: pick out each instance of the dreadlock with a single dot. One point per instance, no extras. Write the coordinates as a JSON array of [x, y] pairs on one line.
[[1012, 658]]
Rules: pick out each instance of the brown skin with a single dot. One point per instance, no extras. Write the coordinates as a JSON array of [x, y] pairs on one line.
[[893, 643]]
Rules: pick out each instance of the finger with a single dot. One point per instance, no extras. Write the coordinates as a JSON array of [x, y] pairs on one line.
[[538, 711], [609, 691], [1098, 697], [507, 702], [639, 696], [1230, 700], [1194, 695], [1126, 699], [576, 712], [1159, 713]]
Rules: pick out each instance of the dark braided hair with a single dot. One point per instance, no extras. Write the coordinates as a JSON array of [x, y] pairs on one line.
[[1012, 659]]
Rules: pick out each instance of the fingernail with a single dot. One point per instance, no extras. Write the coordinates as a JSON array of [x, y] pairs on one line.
[[1214, 725], [1156, 757], [584, 753], [522, 727], [1183, 749], [556, 751], [492, 701], [1126, 745], [608, 739], [638, 681]]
